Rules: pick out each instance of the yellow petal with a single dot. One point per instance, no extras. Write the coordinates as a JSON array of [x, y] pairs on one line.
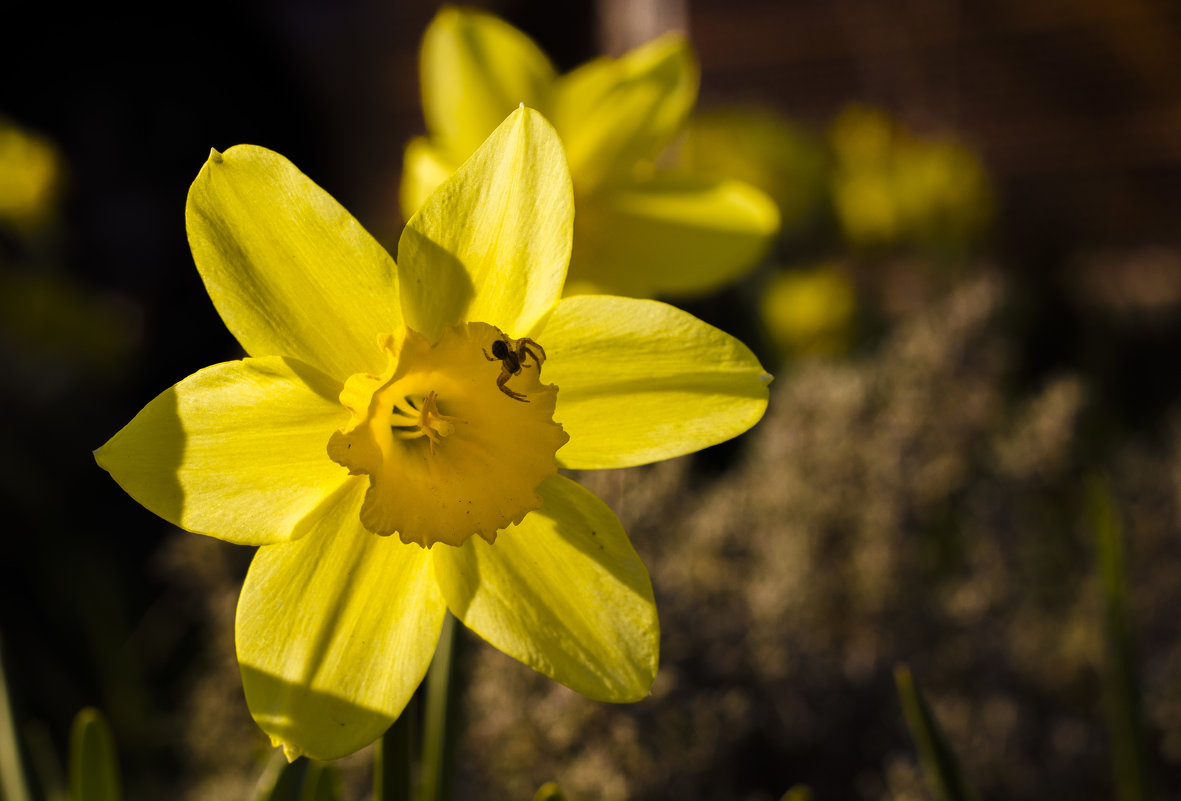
[[493, 242], [334, 633], [615, 113], [236, 451], [475, 70], [640, 381], [675, 235], [290, 271], [424, 167], [564, 592]]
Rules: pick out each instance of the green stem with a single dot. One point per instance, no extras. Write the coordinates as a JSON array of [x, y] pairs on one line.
[[438, 735], [393, 767]]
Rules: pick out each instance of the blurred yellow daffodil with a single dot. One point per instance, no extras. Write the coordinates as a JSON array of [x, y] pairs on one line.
[[409, 399], [810, 311], [891, 187], [31, 177], [642, 230], [761, 146]]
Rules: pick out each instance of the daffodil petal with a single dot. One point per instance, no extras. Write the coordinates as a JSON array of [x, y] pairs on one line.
[[236, 451], [672, 235], [424, 167], [288, 268], [614, 113], [493, 242], [475, 70], [334, 632], [640, 381], [564, 592]]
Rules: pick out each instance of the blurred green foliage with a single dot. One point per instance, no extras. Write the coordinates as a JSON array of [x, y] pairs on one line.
[[550, 791], [94, 764], [938, 758], [13, 785], [302, 780], [1129, 757]]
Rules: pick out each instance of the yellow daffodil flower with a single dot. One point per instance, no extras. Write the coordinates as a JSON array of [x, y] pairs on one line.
[[433, 399], [891, 187], [759, 145], [810, 311], [642, 230], [31, 178]]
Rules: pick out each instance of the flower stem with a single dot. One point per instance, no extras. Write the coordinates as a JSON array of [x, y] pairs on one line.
[[438, 736], [393, 768]]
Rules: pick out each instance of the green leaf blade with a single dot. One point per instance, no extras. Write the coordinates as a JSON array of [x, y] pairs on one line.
[[939, 761], [94, 764]]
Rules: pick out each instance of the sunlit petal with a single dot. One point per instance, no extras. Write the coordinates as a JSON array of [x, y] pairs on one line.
[[640, 381], [564, 592], [290, 271]]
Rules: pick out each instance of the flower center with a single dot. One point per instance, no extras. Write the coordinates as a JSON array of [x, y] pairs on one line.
[[410, 420], [455, 436]]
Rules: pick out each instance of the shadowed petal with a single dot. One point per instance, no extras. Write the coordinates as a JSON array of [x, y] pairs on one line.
[[424, 167], [236, 451], [492, 243], [616, 113], [475, 70], [334, 633], [674, 234]]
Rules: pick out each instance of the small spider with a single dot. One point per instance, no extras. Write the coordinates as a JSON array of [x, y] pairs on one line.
[[512, 355]]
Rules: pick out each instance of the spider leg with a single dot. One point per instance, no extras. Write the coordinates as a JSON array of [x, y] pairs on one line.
[[525, 349], [488, 357], [500, 382]]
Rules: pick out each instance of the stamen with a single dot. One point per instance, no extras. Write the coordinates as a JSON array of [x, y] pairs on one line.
[[407, 407], [411, 420], [400, 419]]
